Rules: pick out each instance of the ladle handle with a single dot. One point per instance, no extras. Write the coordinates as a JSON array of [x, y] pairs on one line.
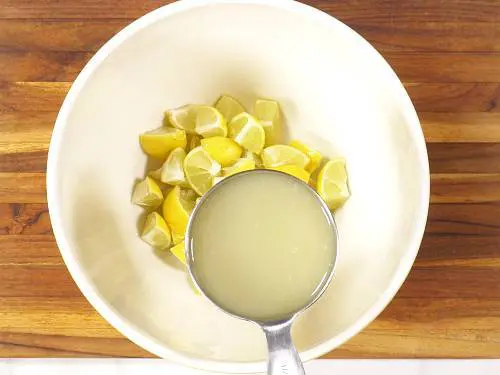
[[283, 357]]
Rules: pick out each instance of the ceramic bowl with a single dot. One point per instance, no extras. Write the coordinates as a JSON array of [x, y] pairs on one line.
[[337, 93]]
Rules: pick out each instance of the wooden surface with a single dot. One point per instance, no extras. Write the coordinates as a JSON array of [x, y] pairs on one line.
[[448, 55]]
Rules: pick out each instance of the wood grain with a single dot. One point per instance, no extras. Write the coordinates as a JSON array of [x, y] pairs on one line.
[[386, 34], [452, 67], [448, 55], [455, 97]]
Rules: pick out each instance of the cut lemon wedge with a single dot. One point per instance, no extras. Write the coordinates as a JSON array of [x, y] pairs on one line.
[[155, 232], [314, 155], [178, 251], [176, 210], [147, 193], [274, 156], [177, 238], [200, 169], [332, 183], [210, 122], [172, 171], [268, 113], [229, 107], [241, 165], [247, 131], [183, 118], [223, 150], [295, 171], [159, 142]]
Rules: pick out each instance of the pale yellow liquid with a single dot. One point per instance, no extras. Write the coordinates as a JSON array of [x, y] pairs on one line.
[[262, 246]]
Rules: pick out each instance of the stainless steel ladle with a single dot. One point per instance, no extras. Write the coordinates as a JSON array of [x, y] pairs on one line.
[[283, 357]]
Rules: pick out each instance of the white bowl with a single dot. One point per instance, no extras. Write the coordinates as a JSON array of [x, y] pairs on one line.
[[337, 94]]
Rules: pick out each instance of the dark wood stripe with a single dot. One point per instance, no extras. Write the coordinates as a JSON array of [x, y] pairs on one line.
[[28, 219], [385, 33], [411, 67], [22, 345], [41, 66], [455, 97], [465, 188], [449, 67], [63, 36], [466, 219], [452, 282], [398, 12], [24, 162], [464, 157]]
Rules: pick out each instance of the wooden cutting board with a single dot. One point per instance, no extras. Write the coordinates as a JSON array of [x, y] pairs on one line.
[[448, 55]]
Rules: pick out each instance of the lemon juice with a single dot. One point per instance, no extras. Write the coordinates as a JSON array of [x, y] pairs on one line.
[[261, 245]]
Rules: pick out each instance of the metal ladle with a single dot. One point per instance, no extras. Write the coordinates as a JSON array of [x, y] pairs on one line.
[[283, 357]]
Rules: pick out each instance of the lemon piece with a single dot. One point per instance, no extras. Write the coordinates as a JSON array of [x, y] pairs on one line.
[[183, 118], [253, 156], [193, 140], [247, 131], [156, 174], [147, 193], [268, 113], [172, 171], [155, 232], [177, 238], [210, 122], [241, 165], [200, 169], [179, 253], [314, 155], [295, 171], [159, 142], [228, 107], [274, 156], [223, 150], [332, 183], [176, 210]]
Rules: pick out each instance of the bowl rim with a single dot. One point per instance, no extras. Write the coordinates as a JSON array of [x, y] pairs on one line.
[[133, 332]]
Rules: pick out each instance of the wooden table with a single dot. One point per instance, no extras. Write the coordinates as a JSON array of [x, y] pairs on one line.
[[448, 55]]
